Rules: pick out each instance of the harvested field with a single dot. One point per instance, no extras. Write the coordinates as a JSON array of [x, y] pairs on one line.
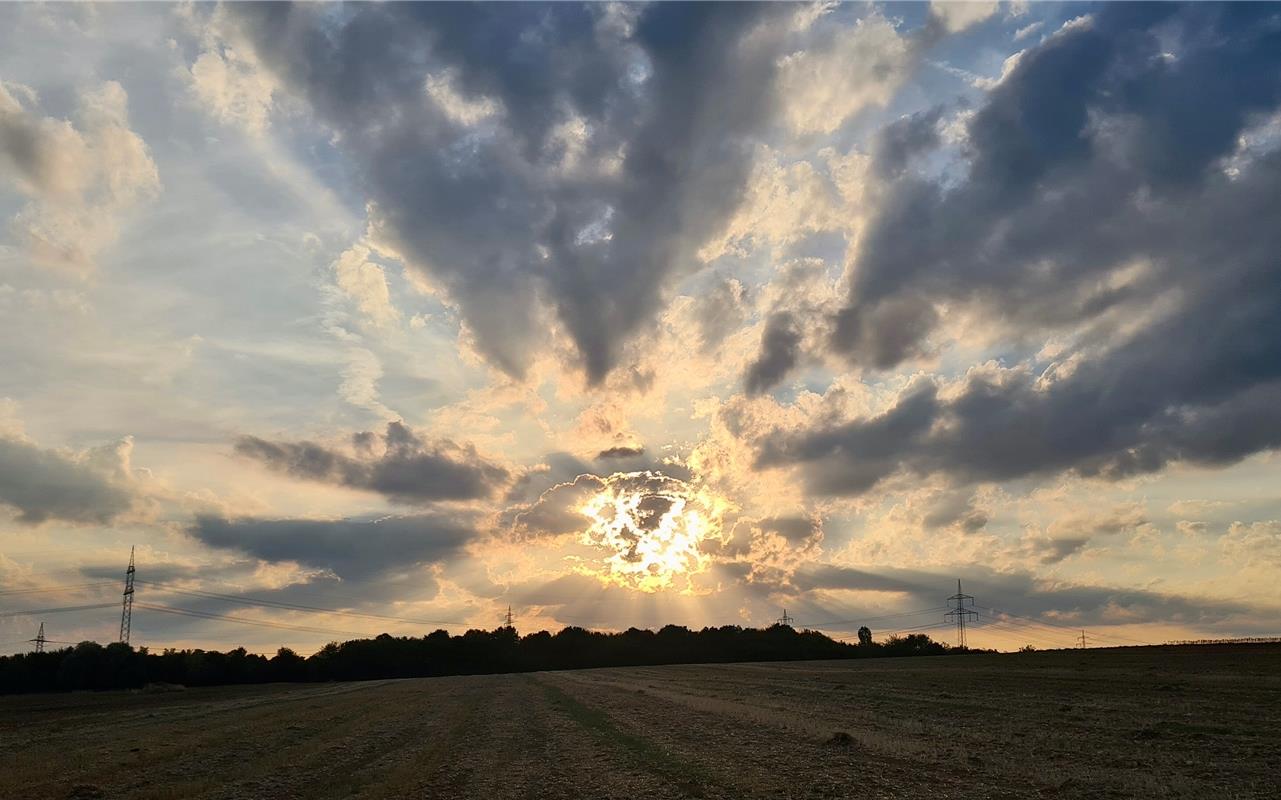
[[1177, 722]]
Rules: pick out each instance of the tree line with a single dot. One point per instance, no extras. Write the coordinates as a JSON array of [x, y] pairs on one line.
[[92, 666]]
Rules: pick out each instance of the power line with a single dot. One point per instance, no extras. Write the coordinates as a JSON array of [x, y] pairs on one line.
[[1022, 631], [47, 589], [831, 624], [914, 629], [254, 601], [63, 609], [187, 612], [1065, 627]]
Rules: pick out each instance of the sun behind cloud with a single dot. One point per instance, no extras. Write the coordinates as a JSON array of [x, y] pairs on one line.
[[654, 530]]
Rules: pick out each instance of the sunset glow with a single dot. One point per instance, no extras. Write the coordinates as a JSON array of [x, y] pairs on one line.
[[653, 538], [626, 314]]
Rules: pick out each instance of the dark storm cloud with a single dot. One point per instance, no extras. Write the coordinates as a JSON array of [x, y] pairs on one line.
[[557, 468], [46, 484], [897, 144], [638, 461], [350, 548], [1097, 199], [780, 348], [407, 469], [719, 310], [1052, 551], [497, 203], [620, 452], [955, 508], [796, 530], [555, 512], [23, 146]]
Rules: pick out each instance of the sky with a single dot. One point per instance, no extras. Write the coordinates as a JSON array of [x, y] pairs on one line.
[[367, 318]]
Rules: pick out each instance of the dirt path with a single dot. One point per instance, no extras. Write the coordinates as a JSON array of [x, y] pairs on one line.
[[1011, 727]]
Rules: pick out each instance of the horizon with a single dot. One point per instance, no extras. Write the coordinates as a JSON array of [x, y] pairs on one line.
[[623, 316]]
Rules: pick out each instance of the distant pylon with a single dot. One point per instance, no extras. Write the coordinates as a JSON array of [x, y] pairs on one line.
[[40, 640], [1081, 638], [961, 612], [509, 616], [126, 607], [786, 620]]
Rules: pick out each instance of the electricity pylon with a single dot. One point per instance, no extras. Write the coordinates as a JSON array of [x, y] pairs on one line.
[[961, 612], [126, 607]]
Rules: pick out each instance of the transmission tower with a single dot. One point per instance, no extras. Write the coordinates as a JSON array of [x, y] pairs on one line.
[[126, 607], [40, 640], [1081, 638], [509, 617], [961, 612], [786, 620]]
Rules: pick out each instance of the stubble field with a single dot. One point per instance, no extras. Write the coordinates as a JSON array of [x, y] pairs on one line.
[[1179, 723]]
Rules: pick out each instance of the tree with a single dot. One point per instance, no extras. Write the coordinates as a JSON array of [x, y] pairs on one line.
[[865, 636]]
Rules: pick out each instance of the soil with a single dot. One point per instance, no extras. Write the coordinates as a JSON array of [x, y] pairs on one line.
[[1175, 722]]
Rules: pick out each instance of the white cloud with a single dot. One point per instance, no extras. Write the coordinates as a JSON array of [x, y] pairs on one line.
[[232, 87], [360, 382], [855, 68], [227, 79], [1007, 67], [1027, 30], [467, 111], [1254, 543], [784, 202], [957, 15], [364, 282], [78, 177]]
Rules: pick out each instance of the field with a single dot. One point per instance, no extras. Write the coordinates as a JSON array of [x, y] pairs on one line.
[[1177, 722]]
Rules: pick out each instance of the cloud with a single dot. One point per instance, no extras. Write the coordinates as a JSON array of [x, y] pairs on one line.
[[1027, 595], [556, 511], [852, 68], [1095, 201], [621, 452], [957, 15], [1028, 30], [1254, 543], [231, 85], [780, 350], [719, 311], [90, 486], [352, 549], [365, 283], [794, 529], [78, 177], [1073, 532], [537, 158], [782, 203], [398, 465], [562, 508], [956, 508], [360, 376]]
